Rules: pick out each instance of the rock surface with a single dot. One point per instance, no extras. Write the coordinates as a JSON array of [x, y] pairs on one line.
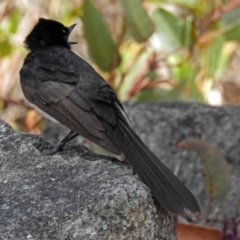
[[163, 125], [79, 195], [74, 194]]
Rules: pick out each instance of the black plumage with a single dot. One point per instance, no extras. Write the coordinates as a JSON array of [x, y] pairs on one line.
[[63, 85]]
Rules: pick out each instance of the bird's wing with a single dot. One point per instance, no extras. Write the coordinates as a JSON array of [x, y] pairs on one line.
[[66, 102]]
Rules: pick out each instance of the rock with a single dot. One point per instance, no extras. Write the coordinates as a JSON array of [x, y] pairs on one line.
[[161, 125], [74, 194]]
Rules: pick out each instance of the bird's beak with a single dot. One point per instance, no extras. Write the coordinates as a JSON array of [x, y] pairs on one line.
[[71, 27], [70, 30]]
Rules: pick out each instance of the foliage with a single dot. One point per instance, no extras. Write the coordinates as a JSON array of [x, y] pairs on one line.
[[217, 183], [161, 50], [148, 50], [183, 47], [215, 167]]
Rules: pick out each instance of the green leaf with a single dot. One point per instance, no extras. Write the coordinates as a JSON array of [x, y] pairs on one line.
[[215, 59], [185, 3], [1, 104], [140, 24], [133, 59], [161, 94], [101, 45], [230, 16], [184, 72], [14, 23], [5, 47], [231, 24], [181, 69], [169, 29], [153, 94], [198, 8], [217, 178], [186, 37]]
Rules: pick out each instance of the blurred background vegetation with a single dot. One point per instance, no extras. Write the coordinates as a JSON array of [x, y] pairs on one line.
[[146, 49]]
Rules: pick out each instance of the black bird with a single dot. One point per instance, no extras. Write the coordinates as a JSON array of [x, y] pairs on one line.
[[63, 85]]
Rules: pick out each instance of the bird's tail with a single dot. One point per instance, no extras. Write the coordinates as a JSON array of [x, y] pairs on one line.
[[169, 191]]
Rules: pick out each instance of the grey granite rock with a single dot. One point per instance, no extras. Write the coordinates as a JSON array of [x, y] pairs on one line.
[[74, 194], [163, 125], [79, 195]]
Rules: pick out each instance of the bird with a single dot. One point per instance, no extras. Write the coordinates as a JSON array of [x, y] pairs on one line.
[[64, 86]]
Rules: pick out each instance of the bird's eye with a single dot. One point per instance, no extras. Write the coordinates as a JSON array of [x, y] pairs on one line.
[[64, 31]]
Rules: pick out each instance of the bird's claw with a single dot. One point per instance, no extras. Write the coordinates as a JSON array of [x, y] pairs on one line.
[[51, 148]]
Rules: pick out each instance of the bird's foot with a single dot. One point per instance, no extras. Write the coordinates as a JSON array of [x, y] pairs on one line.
[[51, 148]]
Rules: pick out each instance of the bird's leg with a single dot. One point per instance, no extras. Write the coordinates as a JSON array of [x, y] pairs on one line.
[[71, 135], [57, 147]]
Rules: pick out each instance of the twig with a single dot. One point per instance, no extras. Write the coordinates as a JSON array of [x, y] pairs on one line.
[[217, 13], [14, 102], [139, 82]]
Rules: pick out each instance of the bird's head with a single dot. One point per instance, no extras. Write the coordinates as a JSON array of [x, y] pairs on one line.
[[47, 33]]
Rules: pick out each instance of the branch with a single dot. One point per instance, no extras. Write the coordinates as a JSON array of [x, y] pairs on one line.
[[14, 102]]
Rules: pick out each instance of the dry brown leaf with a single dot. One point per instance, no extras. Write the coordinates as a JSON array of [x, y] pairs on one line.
[[197, 232]]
